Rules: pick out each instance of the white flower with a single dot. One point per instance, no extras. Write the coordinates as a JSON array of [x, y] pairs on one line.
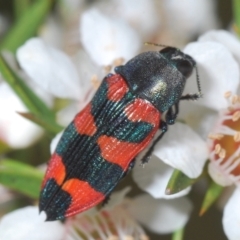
[[186, 150], [115, 38], [187, 19], [160, 215], [44, 63], [228, 40], [224, 132], [118, 219], [142, 15], [114, 221], [231, 216], [54, 71], [218, 70], [26, 223], [153, 178], [52, 32], [182, 147], [15, 130]]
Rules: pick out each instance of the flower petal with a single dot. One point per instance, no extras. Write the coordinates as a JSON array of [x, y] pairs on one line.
[[159, 215], [188, 18], [90, 74], [183, 149], [15, 130], [66, 115], [117, 198], [50, 69], [154, 177], [200, 118], [142, 15], [26, 223], [55, 141], [218, 176], [224, 37], [218, 73], [106, 39], [231, 217], [52, 32]]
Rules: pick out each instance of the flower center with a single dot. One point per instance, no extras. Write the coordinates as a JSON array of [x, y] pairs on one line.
[[111, 224], [225, 140]]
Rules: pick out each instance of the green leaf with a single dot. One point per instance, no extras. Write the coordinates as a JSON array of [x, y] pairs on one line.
[[178, 234], [27, 25], [178, 182], [212, 194], [236, 14], [21, 177], [47, 124], [4, 147], [20, 6], [34, 104]]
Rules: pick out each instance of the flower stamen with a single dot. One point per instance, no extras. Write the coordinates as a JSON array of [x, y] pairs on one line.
[[233, 166], [112, 224], [227, 94], [95, 81], [222, 153], [225, 143], [236, 137], [217, 148], [234, 99], [215, 136], [236, 116]]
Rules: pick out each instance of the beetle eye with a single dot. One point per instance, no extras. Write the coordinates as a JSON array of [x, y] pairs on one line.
[[168, 50], [185, 67]]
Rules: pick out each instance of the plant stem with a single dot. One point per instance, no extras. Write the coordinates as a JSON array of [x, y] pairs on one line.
[[236, 16]]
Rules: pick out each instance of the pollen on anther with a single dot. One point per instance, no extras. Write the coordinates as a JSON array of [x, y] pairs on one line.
[[107, 68], [236, 137], [234, 99], [95, 81], [214, 136], [224, 143], [217, 148], [236, 116], [227, 94], [144, 237], [118, 61], [222, 153]]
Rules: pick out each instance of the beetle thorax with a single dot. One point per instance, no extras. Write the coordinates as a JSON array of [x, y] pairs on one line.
[[153, 77]]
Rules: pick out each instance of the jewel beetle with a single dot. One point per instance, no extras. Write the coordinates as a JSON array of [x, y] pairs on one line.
[[100, 145]]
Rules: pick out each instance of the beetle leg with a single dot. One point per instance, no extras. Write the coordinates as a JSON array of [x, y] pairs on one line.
[[146, 157], [131, 165], [171, 114], [106, 200], [193, 97]]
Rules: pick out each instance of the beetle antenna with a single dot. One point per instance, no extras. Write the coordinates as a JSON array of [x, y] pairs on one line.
[[198, 82], [155, 44]]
